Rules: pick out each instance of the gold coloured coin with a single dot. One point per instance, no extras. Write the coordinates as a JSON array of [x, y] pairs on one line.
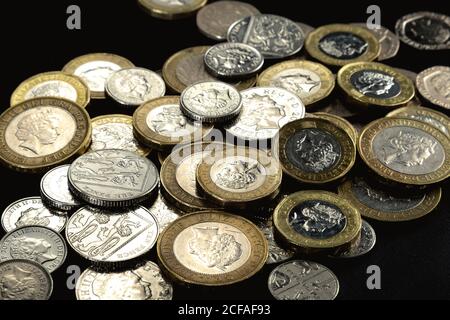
[[41, 133], [311, 81], [212, 248], [52, 84], [341, 122], [317, 220], [171, 9]]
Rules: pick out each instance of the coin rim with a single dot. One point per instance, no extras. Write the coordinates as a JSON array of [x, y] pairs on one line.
[[420, 83]]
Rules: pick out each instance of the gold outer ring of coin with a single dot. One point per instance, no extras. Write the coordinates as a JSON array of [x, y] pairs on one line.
[[367, 154], [341, 122], [406, 85], [119, 118], [344, 138], [312, 44], [267, 191], [428, 204], [169, 71], [79, 144], [344, 238], [157, 141], [75, 63], [327, 79], [83, 94], [409, 111], [170, 13], [258, 253], [170, 188]]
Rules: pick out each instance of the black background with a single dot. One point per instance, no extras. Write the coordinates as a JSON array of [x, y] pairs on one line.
[[414, 257]]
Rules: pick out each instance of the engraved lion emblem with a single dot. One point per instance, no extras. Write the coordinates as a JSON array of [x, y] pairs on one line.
[[374, 83], [18, 283], [238, 174]]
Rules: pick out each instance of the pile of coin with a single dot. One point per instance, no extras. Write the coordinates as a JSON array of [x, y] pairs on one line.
[[246, 173]]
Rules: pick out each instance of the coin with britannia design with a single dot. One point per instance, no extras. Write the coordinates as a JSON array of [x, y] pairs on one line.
[[171, 9], [434, 85]]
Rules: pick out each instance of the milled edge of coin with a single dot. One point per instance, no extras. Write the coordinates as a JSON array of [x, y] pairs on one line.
[[366, 153], [353, 252], [253, 265], [427, 205], [312, 41], [170, 13], [420, 83]]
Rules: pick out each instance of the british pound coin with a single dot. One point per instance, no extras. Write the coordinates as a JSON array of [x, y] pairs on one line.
[[215, 19], [144, 282], [171, 9], [41, 133], [379, 204], [303, 280], [306, 28], [233, 60], [389, 42], [95, 68], [159, 123], [425, 30], [264, 111], [310, 81], [405, 151], [212, 248], [134, 86], [103, 236], [434, 85], [341, 44], [31, 212], [115, 131], [55, 190], [52, 84], [211, 102], [24, 280], [363, 246], [113, 178], [341, 122], [277, 253], [35, 243], [164, 213], [274, 36]]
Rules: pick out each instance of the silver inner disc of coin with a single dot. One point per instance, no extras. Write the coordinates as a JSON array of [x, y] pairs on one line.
[[53, 88]]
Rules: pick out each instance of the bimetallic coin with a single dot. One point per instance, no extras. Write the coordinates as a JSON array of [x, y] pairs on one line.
[[52, 84], [31, 212], [376, 84], [115, 131], [341, 122], [434, 85], [306, 28], [134, 86], [375, 203], [105, 236], [211, 102], [274, 36], [164, 213], [277, 254], [159, 123], [187, 67], [363, 246], [113, 178], [24, 280], [95, 68], [425, 30], [144, 282], [233, 60], [41, 133], [341, 44], [35, 243], [171, 9], [212, 248], [310, 81], [215, 19], [303, 280], [264, 111], [317, 220], [55, 190], [405, 151], [389, 42]]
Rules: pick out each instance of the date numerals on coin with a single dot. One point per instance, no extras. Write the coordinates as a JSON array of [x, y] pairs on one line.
[[73, 21]]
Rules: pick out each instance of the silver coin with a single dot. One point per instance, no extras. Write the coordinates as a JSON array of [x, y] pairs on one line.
[[434, 85], [389, 42], [274, 36], [425, 30], [38, 244], [303, 280], [31, 212], [134, 86], [277, 254], [232, 60], [264, 111], [141, 283], [113, 178], [211, 101], [215, 19], [24, 280], [111, 236], [363, 246], [306, 28], [163, 213], [55, 190]]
